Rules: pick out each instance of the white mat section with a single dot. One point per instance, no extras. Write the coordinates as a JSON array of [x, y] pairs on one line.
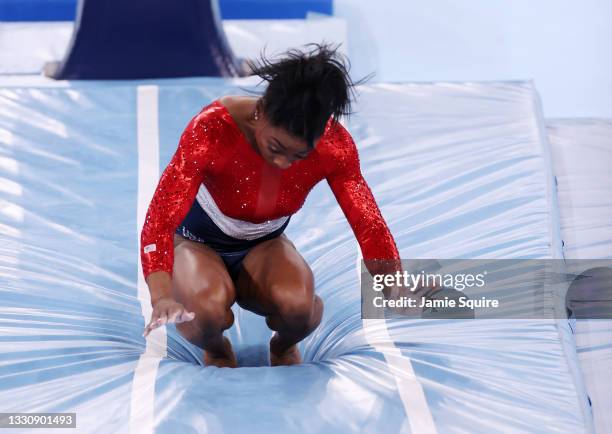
[[582, 155]]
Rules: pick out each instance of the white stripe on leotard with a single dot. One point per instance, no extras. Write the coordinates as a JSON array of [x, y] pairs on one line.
[[236, 228]]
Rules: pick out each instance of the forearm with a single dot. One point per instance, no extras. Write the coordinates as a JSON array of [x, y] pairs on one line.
[[160, 285]]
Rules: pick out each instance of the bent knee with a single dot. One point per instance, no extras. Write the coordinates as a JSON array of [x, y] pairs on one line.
[[208, 321], [214, 317], [295, 305], [212, 308]]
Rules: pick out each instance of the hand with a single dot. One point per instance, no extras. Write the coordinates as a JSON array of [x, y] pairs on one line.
[[427, 290], [166, 310], [411, 298]]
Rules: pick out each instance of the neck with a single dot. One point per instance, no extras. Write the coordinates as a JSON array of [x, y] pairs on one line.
[[249, 125]]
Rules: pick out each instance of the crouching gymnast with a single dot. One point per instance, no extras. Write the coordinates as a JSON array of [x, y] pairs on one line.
[[213, 233]]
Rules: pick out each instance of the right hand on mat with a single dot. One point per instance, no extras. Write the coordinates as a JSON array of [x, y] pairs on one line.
[[166, 310]]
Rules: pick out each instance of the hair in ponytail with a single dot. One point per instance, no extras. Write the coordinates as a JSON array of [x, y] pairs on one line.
[[305, 89]]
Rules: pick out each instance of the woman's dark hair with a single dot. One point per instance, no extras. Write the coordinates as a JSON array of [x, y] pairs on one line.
[[306, 88]]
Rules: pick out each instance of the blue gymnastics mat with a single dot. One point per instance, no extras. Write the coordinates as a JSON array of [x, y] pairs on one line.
[[458, 170]]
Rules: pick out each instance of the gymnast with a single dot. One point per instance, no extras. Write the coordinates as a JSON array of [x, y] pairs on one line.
[[214, 230]]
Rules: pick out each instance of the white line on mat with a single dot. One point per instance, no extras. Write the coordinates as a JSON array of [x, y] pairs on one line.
[[143, 386], [418, 415]]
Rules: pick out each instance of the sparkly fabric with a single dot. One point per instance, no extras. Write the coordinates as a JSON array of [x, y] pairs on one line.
[[212, 150], [236, 228]]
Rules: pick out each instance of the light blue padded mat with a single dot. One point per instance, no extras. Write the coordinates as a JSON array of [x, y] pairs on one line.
[[458, 169], [582, 155]]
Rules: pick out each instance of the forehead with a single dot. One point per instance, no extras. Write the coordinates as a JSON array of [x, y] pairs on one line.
[[287, 139]]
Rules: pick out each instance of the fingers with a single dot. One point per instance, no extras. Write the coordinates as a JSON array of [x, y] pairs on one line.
[[174, 313], [171, 315], [155, 322], [180, 315], [186, 316], [428, 290]]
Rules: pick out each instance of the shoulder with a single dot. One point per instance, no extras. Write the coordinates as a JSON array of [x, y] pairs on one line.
[[210, 115], [336, 138], [206, 131], [212, 119], [337, 146]]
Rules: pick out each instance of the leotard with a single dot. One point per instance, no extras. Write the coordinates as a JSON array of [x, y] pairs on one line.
[[247, 197]]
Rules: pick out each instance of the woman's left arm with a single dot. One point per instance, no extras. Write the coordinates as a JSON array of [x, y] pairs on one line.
[[358, 204]]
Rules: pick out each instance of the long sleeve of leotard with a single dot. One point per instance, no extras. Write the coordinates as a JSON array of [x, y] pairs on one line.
[[357, 202], [174, 195]]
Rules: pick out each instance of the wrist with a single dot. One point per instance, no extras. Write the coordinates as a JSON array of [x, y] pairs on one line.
[[155, 300], [160, 286]]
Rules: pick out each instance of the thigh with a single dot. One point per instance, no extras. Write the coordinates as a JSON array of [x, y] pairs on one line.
[[274, 273], [200, 277]]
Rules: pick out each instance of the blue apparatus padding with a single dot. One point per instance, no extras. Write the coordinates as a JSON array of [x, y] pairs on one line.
[[140, 39], [273, 9], [65, 10], [458, 169], [37, 10]]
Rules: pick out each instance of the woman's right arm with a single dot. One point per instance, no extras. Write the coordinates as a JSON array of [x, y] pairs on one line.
[[174, 195]]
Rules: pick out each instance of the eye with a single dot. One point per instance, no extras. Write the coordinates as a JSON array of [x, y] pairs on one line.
[[274, 149], [303, 156]]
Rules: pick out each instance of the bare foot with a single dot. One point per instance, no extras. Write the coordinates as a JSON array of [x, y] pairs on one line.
[[225, 360], [289, 357]]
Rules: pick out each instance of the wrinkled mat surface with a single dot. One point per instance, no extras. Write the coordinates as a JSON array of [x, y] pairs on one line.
[[458, 169]]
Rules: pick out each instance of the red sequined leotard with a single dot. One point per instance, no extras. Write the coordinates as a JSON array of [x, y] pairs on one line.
[[213, 150]]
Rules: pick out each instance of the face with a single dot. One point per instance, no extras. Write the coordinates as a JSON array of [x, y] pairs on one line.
[[277, 146]]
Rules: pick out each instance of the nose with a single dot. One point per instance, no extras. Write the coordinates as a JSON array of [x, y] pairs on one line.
[[282, 162]]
